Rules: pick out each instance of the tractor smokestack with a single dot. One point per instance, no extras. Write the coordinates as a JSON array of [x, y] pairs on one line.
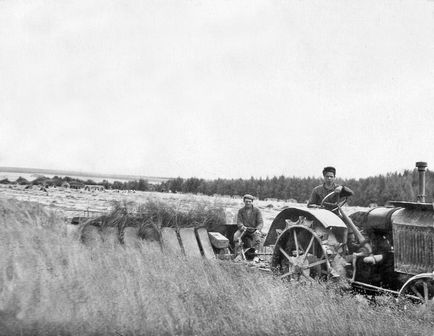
[[421, 167]]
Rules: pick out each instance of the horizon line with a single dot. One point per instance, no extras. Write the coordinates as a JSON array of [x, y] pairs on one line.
[[28, 170]]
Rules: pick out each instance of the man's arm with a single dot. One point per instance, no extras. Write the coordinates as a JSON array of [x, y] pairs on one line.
[[240, 223], [346, 192], [259, 221], [314, 199]]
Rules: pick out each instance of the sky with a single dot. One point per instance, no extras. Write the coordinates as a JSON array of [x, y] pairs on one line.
[[217, 89]]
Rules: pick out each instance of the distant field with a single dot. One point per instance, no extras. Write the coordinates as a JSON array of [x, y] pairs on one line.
[[12, 173]]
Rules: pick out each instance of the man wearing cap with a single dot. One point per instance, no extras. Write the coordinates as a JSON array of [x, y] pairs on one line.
[[250, 223], [321, 191]]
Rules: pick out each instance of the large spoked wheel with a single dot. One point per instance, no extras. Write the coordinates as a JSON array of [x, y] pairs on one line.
[[419, 288], [299, 255], [333, 206]]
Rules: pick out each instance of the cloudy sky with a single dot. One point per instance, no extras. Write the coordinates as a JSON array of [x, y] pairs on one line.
[[217, 88]]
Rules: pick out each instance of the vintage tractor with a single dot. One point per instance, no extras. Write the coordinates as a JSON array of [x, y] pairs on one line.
[[384, 249]]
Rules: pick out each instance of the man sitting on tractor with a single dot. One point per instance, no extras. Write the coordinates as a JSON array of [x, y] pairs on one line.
[[318, 197], [250, 223]]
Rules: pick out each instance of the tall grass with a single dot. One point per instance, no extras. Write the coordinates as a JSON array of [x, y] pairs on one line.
[[52, 285]]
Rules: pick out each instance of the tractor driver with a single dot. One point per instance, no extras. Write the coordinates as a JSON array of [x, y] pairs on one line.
[[250, 223], [321, 191]]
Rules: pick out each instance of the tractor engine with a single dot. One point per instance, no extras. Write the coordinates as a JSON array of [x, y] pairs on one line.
[[401, 237]]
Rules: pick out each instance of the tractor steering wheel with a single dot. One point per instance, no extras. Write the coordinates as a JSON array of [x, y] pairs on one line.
[[333, 206]]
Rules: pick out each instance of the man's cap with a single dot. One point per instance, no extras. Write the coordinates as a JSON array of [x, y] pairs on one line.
[[248, 196], [329, 169]]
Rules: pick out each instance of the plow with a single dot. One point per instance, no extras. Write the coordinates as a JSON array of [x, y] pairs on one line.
[[387, 249]]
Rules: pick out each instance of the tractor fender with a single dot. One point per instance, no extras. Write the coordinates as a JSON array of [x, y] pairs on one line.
[[327, 218]]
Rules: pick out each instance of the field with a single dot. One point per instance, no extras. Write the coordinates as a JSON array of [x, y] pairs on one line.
[[54, 285], [69, 202]]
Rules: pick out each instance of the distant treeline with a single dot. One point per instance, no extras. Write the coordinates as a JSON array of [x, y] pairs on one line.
[[377, 189]]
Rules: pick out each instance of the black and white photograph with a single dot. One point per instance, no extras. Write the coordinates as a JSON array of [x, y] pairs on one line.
[[216, 167]]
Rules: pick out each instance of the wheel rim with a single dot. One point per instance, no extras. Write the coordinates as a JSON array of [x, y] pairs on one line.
[[299, 254]]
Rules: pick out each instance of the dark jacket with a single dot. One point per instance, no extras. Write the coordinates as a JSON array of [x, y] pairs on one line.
[[252, 218], [319, 192]]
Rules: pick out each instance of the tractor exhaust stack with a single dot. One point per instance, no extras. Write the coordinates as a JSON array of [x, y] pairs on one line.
[[421, 167]]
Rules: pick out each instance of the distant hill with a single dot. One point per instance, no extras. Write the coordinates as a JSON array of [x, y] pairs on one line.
[[20, 170]]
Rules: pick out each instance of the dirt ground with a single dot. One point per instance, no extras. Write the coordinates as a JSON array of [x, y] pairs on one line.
[[70, 202]]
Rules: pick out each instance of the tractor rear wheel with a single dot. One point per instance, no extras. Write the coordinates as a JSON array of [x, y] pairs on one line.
[[299, 254]]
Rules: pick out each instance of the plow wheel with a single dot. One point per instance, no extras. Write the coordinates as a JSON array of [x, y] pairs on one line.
[[419, 288], [299, 255]]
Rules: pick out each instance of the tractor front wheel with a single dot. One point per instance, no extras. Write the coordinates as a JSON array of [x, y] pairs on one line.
[[419, 288]]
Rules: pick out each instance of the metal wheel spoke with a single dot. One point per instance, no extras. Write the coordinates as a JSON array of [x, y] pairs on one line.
[[425, 291], [308, 248], [286, 255], [322, 253], [316, 263], [296, 243], [415, 291]]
